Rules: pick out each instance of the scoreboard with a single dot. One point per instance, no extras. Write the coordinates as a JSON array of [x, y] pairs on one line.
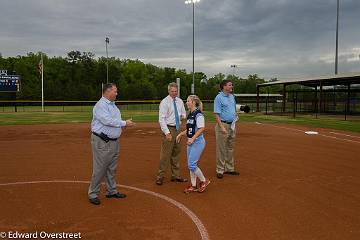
[[9, 83]]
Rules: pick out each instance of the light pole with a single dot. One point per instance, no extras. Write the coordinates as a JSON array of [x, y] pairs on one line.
[[336, 45], [337, 37], [107, 41], [193, 66]]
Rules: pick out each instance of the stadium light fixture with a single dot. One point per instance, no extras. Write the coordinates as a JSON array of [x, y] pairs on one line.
[[191, 1], [233, 67]]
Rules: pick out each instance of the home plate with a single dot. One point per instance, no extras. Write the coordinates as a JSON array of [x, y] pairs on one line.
[[311, 133]]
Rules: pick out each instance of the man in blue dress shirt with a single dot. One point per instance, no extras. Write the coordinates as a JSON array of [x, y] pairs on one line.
[[106, 128], [225, 131]]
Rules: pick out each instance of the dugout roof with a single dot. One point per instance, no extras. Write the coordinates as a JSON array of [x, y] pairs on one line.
[[255, 95], [327, 80]]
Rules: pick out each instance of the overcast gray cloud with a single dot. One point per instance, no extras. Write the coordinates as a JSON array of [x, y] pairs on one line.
[[274, 38]]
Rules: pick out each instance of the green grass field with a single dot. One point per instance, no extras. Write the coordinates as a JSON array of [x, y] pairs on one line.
[[25, 118], [20, 118]]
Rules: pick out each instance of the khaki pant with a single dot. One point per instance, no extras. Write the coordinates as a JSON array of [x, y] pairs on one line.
[[170, 151], [225, 144], [105, 158]]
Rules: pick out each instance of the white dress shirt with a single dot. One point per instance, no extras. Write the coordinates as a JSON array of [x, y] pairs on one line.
[[167, 113]]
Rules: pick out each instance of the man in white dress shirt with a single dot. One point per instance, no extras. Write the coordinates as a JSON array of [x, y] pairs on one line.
[[171, 111]]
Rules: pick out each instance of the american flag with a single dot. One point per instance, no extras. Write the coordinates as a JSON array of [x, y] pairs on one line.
[[40, 66]]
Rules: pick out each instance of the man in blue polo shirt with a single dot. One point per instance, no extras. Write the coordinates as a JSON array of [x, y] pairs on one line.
[[225, 131], [106, 128]]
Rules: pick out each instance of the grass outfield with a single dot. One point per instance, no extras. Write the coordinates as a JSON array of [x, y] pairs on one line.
[[24, 118], [20, 118]]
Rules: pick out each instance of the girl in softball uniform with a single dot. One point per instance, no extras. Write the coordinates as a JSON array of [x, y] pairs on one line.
[[195, 126]]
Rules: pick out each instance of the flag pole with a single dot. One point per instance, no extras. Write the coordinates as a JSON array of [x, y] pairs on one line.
[[107, 41], [42, 83]]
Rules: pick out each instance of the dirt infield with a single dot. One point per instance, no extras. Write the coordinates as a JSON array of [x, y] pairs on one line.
[[292, 185]]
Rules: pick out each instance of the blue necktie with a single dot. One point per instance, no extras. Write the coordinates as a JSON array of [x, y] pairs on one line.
[[177, 119]]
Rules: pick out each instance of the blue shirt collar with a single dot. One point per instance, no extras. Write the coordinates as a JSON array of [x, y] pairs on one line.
[[224, 95], [106, 100]]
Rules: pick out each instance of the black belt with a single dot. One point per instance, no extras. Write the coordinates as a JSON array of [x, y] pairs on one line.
[[104, 137], [171, 126], [226, 122]]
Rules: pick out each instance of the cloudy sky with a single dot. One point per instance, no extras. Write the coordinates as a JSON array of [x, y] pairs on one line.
[[273, 38]]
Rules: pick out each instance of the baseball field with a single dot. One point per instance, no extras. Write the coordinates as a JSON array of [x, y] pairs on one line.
[[292, 185]]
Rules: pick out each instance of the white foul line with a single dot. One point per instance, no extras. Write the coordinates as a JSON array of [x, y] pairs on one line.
[[200, 226], [347, 135], [343, 139], [327, 136]]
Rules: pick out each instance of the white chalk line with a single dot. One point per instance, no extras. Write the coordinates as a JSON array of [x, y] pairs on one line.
[[323, 135], [337, 138], [200, 226], [346, 135]]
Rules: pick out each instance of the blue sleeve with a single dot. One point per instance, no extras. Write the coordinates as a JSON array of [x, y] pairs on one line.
[[217, 105], [200, 120], [122, 122], [101, 114]]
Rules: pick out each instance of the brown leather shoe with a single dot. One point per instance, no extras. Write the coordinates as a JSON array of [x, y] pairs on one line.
[[159, 180], [219, 175], [178, 179]]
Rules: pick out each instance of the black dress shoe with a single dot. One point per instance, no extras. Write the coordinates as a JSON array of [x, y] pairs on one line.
[[94, 201], [178, 179], [219, 175], [159, 181], [116, 195], [235, 173]]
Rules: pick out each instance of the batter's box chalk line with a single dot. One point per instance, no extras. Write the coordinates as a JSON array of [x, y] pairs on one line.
[[200, 226]]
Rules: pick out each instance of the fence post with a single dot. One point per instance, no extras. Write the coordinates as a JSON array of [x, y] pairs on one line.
[[284, 99], [347, 105], [296, 101], [15, 103], [266, 103], [257, 98], [316, 102], [294, 105]]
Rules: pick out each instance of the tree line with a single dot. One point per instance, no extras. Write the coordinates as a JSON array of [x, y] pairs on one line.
[[79, 76]]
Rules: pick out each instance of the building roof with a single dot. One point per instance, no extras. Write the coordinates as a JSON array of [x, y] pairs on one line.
[[255, 95], [327, 80]]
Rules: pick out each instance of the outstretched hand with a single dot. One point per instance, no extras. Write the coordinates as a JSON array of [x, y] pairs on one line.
[[130, 123]]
